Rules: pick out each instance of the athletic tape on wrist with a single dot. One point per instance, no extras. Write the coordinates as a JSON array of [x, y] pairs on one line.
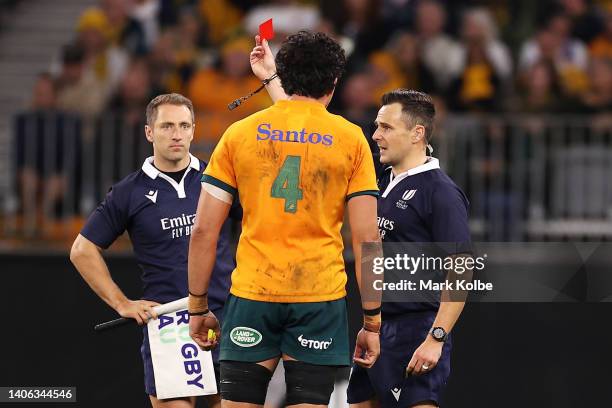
[[197, 304]]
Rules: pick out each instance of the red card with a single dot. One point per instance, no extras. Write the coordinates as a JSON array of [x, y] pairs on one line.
[[266, 30]]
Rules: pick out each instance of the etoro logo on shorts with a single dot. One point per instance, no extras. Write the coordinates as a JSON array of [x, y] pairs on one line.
[[314, 344], [245, 336]]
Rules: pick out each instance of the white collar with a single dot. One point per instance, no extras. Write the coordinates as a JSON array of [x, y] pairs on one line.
[[431, 164], [153, 172]]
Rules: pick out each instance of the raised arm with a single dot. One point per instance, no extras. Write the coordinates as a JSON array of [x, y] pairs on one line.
[[263, 66]]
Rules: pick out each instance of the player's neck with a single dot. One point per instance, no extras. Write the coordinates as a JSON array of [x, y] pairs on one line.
[[324, 100], [169, 165], [410, 162]]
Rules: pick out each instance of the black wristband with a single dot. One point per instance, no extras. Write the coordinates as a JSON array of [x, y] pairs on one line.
[[372, 312], [198, 313], [202, 295], [268, 80]]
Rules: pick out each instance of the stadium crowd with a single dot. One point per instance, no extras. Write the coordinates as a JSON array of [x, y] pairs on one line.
[[546, 56], [474, 57]]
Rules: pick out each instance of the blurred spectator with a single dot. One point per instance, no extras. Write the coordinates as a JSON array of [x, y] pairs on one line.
[[360, 108], [362, 22], [221, 19], [47, 147], [598, 98], [211, 90], [177, 54], [399, 66], [399, 14], [385, 74], [290, 16], [540, 89], [601, 46], [585, 21], [555, 44], [79, 90], [124, 30], [145, 12], [103, 59], [437, 47], [135, 92], [483, 64], [407, 53]]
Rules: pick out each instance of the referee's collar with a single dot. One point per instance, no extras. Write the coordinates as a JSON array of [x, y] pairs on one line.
[[431, 164], [150, 170]]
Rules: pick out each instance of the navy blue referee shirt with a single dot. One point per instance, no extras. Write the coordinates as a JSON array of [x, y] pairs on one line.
[[421, 205], [158, 214]]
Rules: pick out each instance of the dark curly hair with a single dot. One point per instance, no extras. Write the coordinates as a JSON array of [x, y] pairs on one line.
[[309, 63]]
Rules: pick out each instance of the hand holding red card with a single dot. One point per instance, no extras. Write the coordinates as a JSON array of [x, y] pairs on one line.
[[266, 30]]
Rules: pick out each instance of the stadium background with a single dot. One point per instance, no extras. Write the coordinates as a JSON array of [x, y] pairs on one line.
[[523, 91]]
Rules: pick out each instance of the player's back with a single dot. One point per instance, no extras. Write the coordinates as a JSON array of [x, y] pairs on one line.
[[294, 166]]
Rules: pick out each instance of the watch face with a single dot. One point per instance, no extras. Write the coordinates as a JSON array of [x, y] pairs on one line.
[[438, 333]]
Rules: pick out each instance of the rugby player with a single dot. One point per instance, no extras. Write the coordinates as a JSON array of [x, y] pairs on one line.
[[296, 167]]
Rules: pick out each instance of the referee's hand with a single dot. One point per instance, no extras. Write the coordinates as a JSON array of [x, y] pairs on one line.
[[367, 348], [199, 327], [139, 310]]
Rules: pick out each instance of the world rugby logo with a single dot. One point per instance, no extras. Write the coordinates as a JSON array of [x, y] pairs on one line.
[[408, 194], [245, 336]]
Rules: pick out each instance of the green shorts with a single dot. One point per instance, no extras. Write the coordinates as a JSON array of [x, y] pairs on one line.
[[314, 332]]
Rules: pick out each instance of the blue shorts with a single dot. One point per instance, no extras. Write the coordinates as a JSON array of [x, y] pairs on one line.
[[385, 381], [149, 376]]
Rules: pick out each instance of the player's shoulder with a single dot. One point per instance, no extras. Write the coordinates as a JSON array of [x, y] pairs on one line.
[[251, 119], [346, 125]]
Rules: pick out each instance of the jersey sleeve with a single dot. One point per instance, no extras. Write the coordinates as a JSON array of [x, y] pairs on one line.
[[108, 221], [450, 218], [220, 169], [363, 178]]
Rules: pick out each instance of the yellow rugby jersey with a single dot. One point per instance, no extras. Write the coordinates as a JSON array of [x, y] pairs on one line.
[[294, 166]]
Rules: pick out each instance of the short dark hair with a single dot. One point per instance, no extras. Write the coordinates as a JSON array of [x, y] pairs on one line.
[[308, 64], [167, 99], [418, 106]]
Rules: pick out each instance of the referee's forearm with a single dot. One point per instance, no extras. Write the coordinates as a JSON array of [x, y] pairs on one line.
[[448, 314]]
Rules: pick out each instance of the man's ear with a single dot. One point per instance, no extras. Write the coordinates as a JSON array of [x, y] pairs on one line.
[[149, 133], [419, 133]]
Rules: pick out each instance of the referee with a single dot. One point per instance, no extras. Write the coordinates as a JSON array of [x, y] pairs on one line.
[[419, 203], [156, 205]]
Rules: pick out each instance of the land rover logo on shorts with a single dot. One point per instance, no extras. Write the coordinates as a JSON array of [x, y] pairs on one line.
[[245, 336]]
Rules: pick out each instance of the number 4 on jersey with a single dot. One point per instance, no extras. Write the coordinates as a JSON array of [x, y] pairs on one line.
[[286, 184]]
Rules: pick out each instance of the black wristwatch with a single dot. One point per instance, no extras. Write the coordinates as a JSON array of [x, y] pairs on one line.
[[439, 334]]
